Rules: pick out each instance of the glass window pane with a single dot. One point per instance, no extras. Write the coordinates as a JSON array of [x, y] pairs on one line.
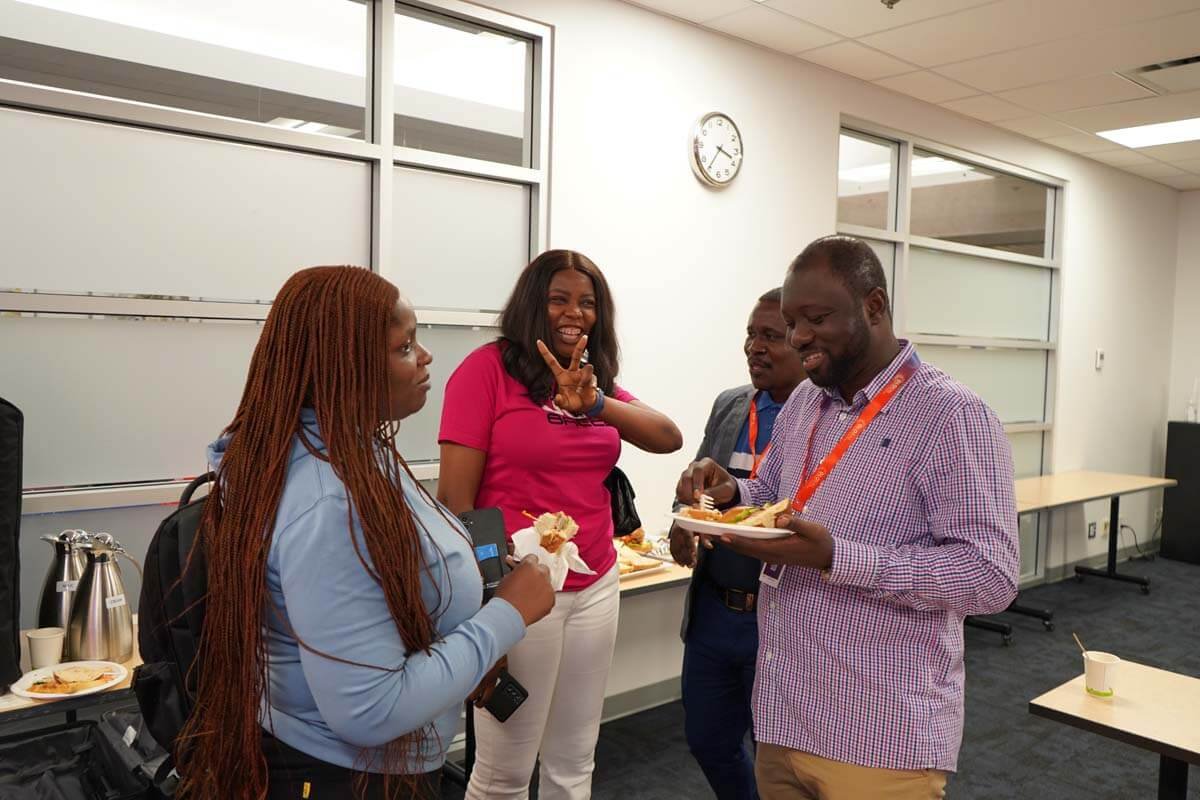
[[459, 242], [288, 64], [1026, 454], [940, 285], [961, 202], [126, 400], [1012, 382], [222, 227], [461, 88], [417, 440], [866, 181]]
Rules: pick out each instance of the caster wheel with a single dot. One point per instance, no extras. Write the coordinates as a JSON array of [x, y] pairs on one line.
[[1048, 625], [1145, 590], [1007, 639]]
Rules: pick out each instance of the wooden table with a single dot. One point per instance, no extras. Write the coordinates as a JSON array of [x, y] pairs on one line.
[[1069, 488], [1152, 709], [14, 708]]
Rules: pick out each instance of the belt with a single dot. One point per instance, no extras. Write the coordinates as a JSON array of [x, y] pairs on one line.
[[735, 599]]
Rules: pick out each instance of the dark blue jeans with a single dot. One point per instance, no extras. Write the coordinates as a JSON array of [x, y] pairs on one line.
[[718, 678]]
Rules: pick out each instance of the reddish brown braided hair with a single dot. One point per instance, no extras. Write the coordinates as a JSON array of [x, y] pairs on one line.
[[324, 345]]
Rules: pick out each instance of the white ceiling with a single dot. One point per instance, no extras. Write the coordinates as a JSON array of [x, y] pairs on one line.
[[1047, 69]]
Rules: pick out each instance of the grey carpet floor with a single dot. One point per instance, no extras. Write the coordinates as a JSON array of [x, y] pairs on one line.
[[1006, 752]]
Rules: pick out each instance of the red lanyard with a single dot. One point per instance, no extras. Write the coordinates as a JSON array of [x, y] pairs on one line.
[[755, 456], [809, 486]]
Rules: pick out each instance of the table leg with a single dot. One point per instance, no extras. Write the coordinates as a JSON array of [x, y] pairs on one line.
[[1172, 778], [1114, 534]]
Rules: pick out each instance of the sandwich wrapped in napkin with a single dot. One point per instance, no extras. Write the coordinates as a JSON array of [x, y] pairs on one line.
[[550, 540]]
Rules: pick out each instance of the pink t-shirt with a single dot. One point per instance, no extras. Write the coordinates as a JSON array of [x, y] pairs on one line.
[[539, 458]]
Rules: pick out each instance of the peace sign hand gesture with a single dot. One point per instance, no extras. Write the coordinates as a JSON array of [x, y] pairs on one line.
[[577, 390]]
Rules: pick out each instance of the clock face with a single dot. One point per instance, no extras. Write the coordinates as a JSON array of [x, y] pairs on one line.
[[716, 149]]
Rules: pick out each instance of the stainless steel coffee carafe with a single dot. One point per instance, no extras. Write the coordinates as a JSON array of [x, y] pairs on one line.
[[62, 578], [101, 625]]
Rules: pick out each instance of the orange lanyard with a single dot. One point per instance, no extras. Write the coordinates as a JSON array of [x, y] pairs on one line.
[[810, 485], [755, 456]]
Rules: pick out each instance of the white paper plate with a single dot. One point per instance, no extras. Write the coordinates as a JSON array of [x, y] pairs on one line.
[[21, 687], [718, 528]]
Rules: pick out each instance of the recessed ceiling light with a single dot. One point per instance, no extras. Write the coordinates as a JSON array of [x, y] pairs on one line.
[[1181, 130]]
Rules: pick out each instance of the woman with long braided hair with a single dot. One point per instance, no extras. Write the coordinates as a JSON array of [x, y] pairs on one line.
[[343, 626]]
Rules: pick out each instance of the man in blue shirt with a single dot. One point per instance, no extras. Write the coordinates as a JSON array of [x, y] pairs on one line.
[[720, 626]]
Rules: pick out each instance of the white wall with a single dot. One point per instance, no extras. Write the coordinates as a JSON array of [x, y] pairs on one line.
[[686, 262], [1185, 349]]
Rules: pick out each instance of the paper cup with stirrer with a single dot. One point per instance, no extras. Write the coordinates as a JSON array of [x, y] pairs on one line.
[[1099, 671], [549, 539]]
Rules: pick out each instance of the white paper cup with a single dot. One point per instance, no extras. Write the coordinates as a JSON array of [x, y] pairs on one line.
[[45, 647], [1099, 673]]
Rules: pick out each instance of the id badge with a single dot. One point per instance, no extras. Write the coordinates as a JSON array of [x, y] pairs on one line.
[[771, 573]]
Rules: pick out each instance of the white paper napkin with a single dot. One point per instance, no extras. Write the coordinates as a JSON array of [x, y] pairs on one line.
[[528, 542]]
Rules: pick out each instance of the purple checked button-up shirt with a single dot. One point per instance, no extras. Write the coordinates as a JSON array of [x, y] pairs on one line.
[[865, 664]]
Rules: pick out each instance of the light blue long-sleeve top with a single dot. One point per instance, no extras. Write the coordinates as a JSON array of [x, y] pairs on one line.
[[331, 710]]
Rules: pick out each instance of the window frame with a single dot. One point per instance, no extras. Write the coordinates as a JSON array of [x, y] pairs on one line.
[[900, 196], [377, 150]]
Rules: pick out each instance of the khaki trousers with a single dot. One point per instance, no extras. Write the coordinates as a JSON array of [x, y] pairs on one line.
[[785, 774]]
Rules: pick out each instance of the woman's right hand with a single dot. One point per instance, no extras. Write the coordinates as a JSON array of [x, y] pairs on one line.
[[528, 589]]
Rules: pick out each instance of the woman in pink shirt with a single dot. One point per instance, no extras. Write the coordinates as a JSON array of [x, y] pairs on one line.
[[525, 428]]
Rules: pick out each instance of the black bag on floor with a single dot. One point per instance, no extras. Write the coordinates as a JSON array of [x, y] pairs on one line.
[[68, 762], [11, 432], [170, 621]]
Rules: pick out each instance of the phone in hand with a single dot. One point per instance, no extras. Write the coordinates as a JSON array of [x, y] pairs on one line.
[[507, 697], [486, 529]]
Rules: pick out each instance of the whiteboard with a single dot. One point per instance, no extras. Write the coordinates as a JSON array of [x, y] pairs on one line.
[[93, 207]]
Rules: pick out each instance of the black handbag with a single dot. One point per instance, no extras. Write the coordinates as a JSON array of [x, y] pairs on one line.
[[624, 512]]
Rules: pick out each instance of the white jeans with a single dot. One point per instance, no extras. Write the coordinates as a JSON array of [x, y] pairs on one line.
[[563, 661]]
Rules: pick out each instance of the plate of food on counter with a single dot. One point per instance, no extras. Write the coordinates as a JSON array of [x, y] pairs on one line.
[[632, 558], [752, 522], [72, 679]]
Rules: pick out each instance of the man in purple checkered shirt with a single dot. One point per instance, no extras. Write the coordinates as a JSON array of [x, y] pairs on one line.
[[860, 680]]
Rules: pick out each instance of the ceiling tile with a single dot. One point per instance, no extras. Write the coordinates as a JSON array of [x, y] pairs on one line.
[[927, 86], [772, 29], [1134, 112], [695, 10], [855, 18], [1184, 182], [1155, 170], [1133, 45], [1121, 158], [1080, 143], [1037, 127], [1180, 151], [854, 59], [979, 31], [986, 108], [1191, 166], [1094, 90]]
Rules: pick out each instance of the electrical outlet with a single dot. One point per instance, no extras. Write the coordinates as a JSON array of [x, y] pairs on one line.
[[1091, 530]]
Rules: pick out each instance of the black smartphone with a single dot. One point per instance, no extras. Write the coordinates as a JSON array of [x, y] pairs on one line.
[[506, 697], [486, 528]]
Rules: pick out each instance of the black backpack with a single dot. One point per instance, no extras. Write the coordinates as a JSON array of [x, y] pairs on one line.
[[170, 621]]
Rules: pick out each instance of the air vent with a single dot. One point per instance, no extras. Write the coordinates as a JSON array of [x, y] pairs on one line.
[[1168, 77]]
